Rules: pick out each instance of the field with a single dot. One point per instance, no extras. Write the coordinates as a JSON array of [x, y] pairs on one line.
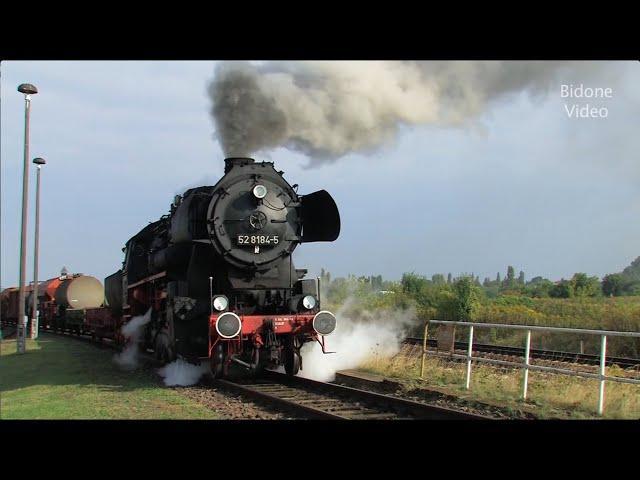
[[62, 378]]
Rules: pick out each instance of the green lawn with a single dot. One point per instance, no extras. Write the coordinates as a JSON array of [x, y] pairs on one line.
[[63, 378]]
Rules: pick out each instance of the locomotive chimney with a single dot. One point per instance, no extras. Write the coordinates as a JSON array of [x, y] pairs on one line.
[[231, 162]]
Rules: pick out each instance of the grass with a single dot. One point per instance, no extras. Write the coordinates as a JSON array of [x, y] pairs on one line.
[[62, 378], [549, 395]]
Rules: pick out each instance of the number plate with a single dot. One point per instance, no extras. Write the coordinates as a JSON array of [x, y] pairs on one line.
[[251, 240]]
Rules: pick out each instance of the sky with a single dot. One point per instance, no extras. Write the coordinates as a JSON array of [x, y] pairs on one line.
[[525, 185]]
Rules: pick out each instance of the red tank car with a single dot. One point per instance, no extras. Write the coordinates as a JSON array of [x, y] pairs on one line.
[[62, 301], [102, 323], [9, 304]]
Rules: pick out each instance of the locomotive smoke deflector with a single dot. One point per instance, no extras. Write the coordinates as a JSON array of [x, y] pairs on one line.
[[320, 218]]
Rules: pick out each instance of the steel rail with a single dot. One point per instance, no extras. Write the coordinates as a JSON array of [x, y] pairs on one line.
[[322, 400], [569, 357]]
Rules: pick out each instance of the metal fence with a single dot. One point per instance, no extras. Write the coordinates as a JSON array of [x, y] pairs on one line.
[[526, 366]]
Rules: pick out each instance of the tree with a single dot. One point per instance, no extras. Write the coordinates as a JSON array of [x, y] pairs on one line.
[[632, 272], [584, 286], [437, 279], [412, 283], [521, 278], [511, 277], [612, 284], [562, 289], [539, 287], [466, 298], [325, 276], [628, 280], [338, 290], [498, 280]]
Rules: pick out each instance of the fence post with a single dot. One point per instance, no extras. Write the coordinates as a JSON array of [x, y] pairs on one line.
[[603, 354], [525, 380], [424, 348], [469, 351]]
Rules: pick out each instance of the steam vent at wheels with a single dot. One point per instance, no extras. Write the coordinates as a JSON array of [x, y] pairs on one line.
[[215, 277]]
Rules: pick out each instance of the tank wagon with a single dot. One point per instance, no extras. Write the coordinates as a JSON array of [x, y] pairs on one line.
[[62, 301]]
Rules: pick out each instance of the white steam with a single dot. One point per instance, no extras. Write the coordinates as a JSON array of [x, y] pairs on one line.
[[377, 333], [132, 330], [329, 109], [178, 372], [181, 373]]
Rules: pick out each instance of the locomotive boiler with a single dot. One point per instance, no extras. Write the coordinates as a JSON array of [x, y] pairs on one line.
[[218, 275]]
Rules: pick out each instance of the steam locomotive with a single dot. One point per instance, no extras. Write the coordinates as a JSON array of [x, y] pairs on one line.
[[218, 275]]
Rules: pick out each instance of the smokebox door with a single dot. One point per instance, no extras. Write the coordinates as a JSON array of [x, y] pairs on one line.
[[320, 218]]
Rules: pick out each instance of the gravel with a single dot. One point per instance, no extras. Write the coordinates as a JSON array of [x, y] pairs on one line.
[[231, 406]]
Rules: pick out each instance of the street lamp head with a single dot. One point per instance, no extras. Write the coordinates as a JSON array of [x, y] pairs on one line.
[[39, 161], [27, 89]]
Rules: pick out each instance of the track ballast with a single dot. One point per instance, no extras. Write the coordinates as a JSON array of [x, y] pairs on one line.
[[323, 400]]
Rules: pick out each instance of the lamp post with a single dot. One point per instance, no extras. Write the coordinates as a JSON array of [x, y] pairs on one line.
[[34, 306], [27, 89]]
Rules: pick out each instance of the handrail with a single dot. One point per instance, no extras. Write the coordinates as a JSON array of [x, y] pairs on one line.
[[609, 333], [526, 366]]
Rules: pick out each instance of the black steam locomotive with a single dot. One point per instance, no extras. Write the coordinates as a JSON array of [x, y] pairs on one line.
[[218, 276]]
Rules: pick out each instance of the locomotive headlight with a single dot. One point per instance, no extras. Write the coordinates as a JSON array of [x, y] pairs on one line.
[[324, 322], [228, 325], [309, 302], [260, 191], [220, 303]]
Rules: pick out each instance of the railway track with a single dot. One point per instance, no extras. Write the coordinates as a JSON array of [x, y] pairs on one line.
[[322, 400], [570, 357]]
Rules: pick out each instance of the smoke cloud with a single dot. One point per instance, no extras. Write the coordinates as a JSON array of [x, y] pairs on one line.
[[355, 340], [128, 358], [329, 109], [181, 373]]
